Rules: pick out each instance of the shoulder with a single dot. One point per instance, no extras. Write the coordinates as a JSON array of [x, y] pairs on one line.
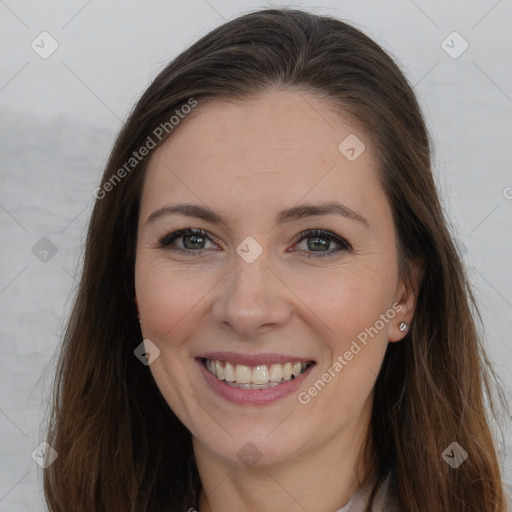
[[387, 499]]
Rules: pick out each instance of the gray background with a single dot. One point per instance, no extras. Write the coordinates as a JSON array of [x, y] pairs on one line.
[[60, 114]]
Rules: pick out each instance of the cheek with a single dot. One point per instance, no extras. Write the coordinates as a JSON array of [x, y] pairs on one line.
[[358, 310], [351, 299], [169, 298], [357, 307]]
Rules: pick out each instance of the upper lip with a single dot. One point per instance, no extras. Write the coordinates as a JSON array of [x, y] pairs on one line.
[[255, 359]]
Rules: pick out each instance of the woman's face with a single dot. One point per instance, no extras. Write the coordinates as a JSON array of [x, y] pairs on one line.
[[256, 293]]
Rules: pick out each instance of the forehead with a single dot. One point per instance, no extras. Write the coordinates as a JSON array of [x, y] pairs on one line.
[[258, 154]]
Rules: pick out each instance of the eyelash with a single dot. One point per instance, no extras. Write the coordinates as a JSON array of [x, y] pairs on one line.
[[307, 233]]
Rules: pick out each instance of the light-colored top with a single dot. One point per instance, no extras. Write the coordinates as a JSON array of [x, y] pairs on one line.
[[386, 499]]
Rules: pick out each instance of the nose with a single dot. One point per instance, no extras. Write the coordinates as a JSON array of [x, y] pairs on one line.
[[252, 299]]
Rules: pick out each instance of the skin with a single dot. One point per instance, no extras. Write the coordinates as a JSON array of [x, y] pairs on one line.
[[246, 161]]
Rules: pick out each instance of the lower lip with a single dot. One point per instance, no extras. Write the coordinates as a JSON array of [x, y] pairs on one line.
[[242, 396]]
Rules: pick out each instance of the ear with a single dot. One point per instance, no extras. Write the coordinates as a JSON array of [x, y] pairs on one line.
[[406, 296]]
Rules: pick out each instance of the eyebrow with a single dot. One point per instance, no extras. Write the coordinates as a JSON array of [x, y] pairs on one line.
[[284, 216]]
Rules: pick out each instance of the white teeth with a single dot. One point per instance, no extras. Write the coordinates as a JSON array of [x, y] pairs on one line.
[[257, 377], [260, 375], [296, 369], [229, 373], [287, 371], [242, 374], [276, 373], [220, 370]]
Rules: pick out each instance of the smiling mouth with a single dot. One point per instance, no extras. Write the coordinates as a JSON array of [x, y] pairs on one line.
[[255, 377]]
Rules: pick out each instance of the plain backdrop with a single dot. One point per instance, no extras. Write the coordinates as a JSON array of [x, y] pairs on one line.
[[60, 114]]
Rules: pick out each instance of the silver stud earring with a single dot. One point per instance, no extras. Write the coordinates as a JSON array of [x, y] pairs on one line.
[[402, 326]]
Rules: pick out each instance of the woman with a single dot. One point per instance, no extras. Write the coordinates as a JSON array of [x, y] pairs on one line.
[[272, 314]]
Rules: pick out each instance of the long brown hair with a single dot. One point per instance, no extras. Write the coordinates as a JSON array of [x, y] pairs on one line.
[[120, 447]]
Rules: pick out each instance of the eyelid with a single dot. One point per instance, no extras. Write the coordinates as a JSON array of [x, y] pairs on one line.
[[320, 231], [173, 235], [323, 233]]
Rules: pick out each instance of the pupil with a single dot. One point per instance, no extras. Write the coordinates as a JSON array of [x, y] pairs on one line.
[[321, 243], [194, 239]]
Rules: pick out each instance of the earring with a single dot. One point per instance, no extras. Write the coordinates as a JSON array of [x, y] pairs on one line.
[[402, 326]]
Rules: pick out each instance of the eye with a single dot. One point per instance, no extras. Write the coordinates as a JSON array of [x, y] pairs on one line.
[[318, 242], [192, 240], [320, 239]]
